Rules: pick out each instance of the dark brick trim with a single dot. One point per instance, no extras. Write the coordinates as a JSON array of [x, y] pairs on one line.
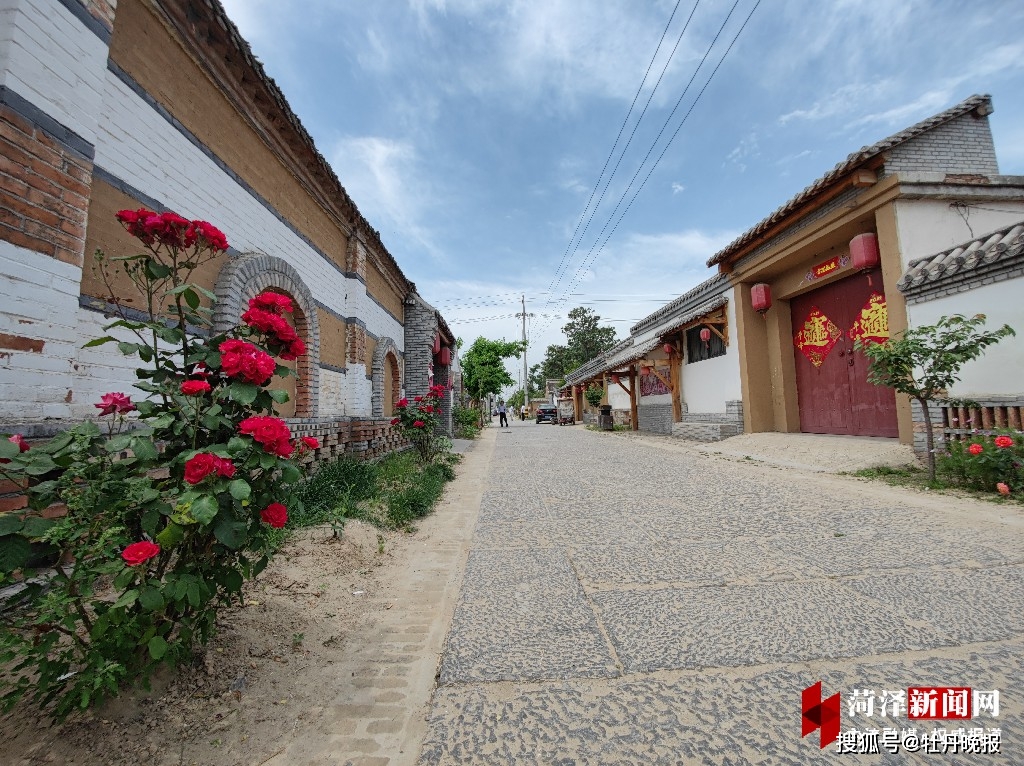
[[109, 309], [62, 134], [333, 368], [90, 22]]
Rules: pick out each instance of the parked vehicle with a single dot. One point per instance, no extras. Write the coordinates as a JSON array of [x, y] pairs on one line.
[[547, 413], [566, 412]]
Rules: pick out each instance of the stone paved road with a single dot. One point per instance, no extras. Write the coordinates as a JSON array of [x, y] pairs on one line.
[[631, 601]]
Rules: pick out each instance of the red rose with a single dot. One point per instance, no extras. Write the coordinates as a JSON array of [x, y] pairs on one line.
[[140, 552], [1004, 441], [114, 402], [273, 302], [975, 449], [209, 236], [199, 467], [418, 399], [295, 349], [243, 360], [225, 467], [275, 514], [311, 442], [1004, 489], [272, 433], [403, 402], [134, 220], [395, 421], [195, 387], [20, 441], [418, 424]]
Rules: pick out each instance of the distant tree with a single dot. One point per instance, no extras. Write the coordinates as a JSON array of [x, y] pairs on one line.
[[536, 382], [483, 367], [516, 400], [586, 338], [925, 361]]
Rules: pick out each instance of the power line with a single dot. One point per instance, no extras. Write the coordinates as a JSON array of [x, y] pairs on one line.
[[592, 255], [625, 122]]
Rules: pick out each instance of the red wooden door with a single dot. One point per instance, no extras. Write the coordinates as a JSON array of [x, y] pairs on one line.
[[833, 391]]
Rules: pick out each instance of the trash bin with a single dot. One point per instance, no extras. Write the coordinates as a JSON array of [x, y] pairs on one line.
[[606, 421]]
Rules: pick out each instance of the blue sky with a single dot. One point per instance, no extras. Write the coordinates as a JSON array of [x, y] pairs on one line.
[[471, 133]]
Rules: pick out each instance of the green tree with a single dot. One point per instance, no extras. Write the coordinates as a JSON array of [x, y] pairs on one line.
[[925, 361], [516, 401], [483, 366], [586, 338]]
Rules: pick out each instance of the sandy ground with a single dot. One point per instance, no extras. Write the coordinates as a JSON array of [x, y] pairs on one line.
[[272, 652]]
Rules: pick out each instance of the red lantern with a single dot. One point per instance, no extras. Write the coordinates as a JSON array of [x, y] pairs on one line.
[[668, 349], [437, 342], [761, 297], [645, 370], [864, 252], [705, 335], [445, 357], [615, 379]]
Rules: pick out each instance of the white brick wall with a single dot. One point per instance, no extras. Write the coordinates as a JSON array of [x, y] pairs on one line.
[[50, 59], [63, 380], [332, 393], [357, 390]]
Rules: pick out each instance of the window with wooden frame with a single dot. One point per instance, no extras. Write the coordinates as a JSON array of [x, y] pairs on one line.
[[698, 350]]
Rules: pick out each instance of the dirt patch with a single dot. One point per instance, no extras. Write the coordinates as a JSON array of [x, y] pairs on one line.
[[262, 678]]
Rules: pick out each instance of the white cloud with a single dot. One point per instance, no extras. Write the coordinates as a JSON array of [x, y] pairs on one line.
[[384, 178], [677, 187]]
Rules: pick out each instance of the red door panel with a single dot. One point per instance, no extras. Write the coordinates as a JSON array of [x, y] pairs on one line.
[[835, 396]]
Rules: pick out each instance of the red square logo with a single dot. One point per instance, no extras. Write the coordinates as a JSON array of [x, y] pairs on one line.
[[938, 702]]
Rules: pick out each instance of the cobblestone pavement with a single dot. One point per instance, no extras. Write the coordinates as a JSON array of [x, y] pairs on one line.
[[630, 601]]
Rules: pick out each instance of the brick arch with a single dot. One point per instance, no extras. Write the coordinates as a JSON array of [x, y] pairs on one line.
[[243, 277], [386, 353]]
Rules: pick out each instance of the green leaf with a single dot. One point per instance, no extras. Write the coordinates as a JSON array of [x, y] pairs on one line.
[[170, 335], [230, 532], [243, 393], [231, 580], [192, 591], [191, 299], [157, 270], [127, 348], [9, 449], [171, 536], [208, 293], [14, 552], [290, 473], [267, 461], [99, 341], [237, 445], [10, 524], [145, 408], [281, 371], [37, 526], [40, 464], [127, 598], [124, 577], [278, 395], [144, 448], [205, 508], [162, 421], [157, 647], [119, 443], [239, 489], [151, 599], [150, 520], [259, 566]]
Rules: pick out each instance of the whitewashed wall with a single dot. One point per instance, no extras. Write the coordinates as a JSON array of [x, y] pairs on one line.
[[708, 385], [1000, 370], [927, 227]]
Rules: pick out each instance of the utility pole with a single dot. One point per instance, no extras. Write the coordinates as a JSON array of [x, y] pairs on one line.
[[526, 373]]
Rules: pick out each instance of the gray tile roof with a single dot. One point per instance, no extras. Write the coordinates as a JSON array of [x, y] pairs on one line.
[[715, 285], [961, 261], [982, 103]]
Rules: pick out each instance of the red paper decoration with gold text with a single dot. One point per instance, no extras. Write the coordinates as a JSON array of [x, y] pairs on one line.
[[817, 337], [872, 326]]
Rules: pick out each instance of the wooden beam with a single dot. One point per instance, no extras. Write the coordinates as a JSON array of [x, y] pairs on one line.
[[658, 375], [632, 398], [716, 331]]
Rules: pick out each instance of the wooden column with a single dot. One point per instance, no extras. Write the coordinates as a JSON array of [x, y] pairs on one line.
[[632, 398], [676, 376]]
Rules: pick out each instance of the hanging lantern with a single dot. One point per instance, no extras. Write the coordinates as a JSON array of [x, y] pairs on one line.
[[705, 335], [437, 342], [645, 370], [668, 348], [761, 297], [615, 379], [864, 252], [445, 357]]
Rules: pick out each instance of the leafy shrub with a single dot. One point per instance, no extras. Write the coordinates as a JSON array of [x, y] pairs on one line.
[[467, 422], [594, 395], [988, 463], [165, 522], [321, 492], [417, 420]]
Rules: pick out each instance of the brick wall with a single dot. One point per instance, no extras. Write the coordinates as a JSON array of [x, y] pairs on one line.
[[963, 145], [656, 418]]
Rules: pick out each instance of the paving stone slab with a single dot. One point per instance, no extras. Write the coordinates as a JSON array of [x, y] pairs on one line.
[[751, 625]]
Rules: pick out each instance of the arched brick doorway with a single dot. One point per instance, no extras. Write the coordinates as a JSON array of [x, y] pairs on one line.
[[245, 276], [387, 379]]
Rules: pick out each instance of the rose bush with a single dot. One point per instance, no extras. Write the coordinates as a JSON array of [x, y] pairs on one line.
[[418, 421], [987, 463], [171, 507]]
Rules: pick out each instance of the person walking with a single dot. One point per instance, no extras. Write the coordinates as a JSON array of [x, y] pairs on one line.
[[522, 413], [502, 415]]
